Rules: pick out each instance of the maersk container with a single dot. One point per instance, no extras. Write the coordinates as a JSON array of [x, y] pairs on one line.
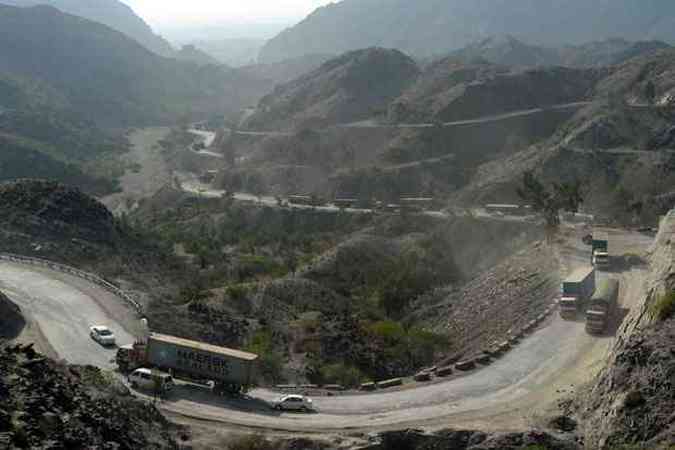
[[223, 365]]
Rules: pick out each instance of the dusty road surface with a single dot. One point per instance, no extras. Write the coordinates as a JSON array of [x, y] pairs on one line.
[[153, 173], [64, 307], [505, 395]]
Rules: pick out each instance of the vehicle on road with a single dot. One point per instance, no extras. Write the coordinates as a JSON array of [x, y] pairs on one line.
[[601, 306], [151, 379], [575, 291], [102, 335], [293, 403], [231, 370], [600, 250]]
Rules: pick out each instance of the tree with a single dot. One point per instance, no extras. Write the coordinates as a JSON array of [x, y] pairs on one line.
[[549, 202]]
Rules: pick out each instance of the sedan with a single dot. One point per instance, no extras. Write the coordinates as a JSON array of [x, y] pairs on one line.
[[102, 335], [293, 403]]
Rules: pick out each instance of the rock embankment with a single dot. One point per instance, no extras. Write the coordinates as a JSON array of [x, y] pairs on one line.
[[46, 405], [469, 440], [633, 399], [11, 320]]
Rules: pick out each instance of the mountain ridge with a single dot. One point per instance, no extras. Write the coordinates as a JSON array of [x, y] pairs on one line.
[[435, 27], [112, 13]]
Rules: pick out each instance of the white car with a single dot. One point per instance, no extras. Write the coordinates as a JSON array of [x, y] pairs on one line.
[[102, 335], [293, 403], [151, 379]]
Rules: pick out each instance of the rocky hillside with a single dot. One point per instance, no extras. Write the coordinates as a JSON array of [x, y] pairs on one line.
[[43, 207], [352, 87], [50, 405], [435, 27], [135, 85], [113, 13], [451, 90], [509, 51], [11, 320], [288, 70], [633, 399]]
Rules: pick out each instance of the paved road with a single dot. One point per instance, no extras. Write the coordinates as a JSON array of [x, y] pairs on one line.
[[64, 307], [478, 120], [500, 396]]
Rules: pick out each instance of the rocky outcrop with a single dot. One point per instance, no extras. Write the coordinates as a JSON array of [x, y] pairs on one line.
[[469, 440], [45, 405], [46, 207], [11, 320], [633, 399]]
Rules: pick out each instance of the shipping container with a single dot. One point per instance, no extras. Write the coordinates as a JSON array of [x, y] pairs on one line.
[[201, 360]]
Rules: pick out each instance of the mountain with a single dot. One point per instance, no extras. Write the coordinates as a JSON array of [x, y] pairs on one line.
[[112, 13], [109, 77], [509, 51], [233, 52], [190, 53], [452, 90], [287, 70], [351, 87], [436, 27]]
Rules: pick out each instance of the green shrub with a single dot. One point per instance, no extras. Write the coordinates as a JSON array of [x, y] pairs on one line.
[[270, 362], [664, 307], [341, 374], [389, 331], [237, 292]]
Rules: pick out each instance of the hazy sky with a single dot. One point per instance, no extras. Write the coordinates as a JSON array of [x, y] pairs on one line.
[[171, 13]]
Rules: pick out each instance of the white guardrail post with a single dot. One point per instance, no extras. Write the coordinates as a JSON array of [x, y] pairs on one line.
[[73, 271]]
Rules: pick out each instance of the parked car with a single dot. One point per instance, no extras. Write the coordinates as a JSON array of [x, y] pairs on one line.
[[293, 403], [102, 335], [151, 379]]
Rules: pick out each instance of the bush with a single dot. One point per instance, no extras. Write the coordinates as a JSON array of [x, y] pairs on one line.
[[389, 331], [341, 374], [664, 307], [270, 362]]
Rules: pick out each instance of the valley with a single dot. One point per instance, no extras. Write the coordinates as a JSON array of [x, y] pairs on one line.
[[377, 220]]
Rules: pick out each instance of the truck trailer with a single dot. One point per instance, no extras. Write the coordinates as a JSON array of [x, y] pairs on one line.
[[602, 305], [230, 370], [575, 291], [600, 250]]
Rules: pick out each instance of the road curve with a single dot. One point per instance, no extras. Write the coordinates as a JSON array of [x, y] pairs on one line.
[[500, 395], [64, 306]]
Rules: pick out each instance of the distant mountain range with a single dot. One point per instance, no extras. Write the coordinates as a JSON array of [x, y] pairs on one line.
[[109, 77], [509, 51], [436, 27], [112, 13]]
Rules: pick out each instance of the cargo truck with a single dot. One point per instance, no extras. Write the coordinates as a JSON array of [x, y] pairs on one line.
[[576, 289], [601, 306], [230, 370], [600, 250]]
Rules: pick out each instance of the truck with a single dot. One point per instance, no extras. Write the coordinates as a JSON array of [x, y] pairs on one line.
[[230, 370], [575, 291], [601, 306], [600, 250]]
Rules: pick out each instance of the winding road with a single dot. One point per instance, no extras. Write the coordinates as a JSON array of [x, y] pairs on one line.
[[504, 395]]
